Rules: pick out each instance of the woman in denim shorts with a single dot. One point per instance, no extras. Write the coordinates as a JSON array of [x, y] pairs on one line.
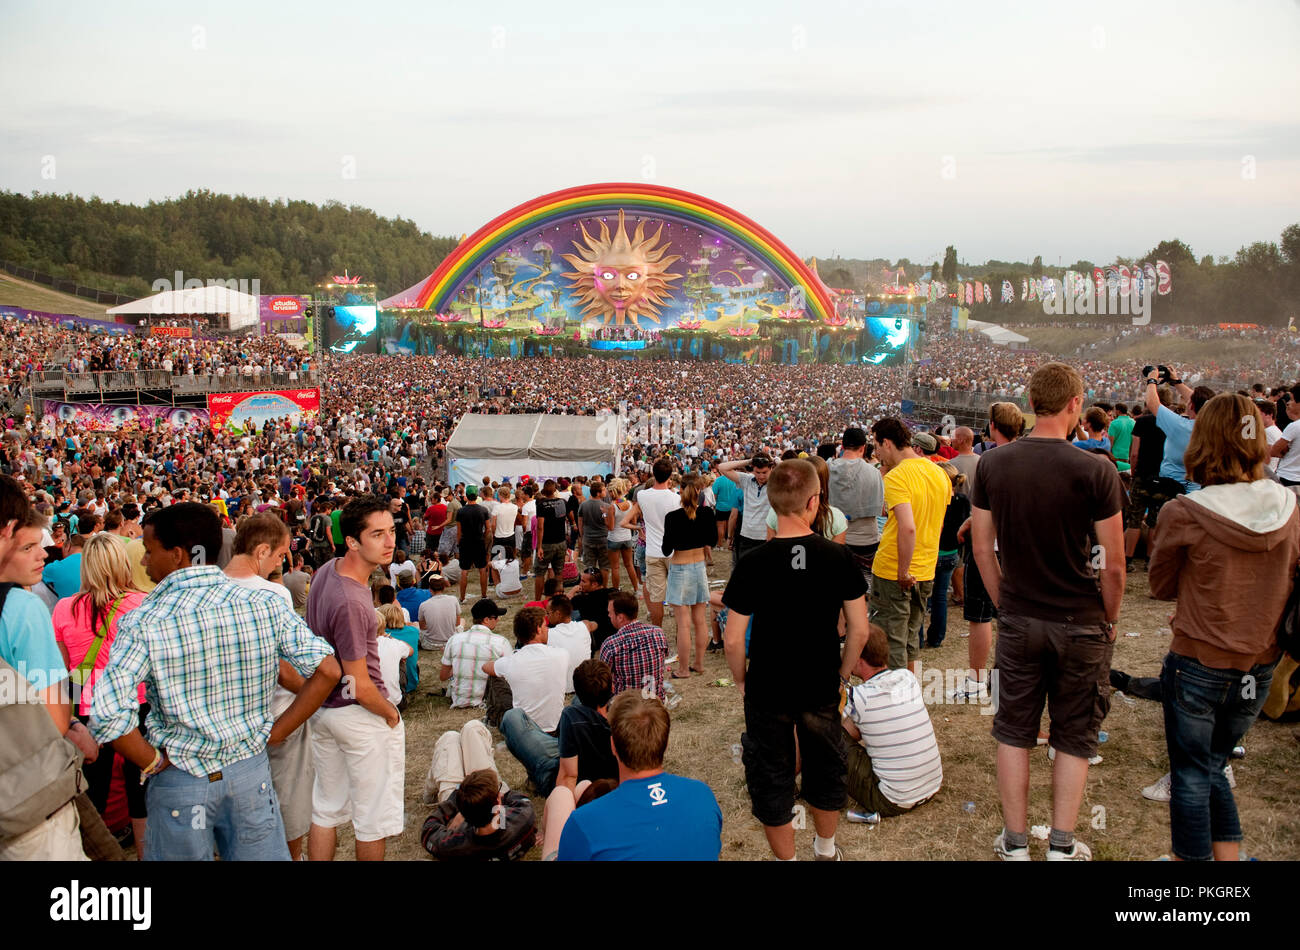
[[689, 534], [620, 542]]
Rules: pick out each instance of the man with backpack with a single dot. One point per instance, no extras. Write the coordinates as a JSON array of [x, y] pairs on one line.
[[38, 813]]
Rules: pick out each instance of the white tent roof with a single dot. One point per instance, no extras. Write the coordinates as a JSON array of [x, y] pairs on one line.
[[997, 334], [241, 307], [536, 436]]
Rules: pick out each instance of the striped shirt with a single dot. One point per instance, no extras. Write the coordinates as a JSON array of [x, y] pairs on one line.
[[466, 653], [896, 732], [208, 652]]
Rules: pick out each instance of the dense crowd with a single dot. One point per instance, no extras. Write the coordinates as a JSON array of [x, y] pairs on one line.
[[316, 564]]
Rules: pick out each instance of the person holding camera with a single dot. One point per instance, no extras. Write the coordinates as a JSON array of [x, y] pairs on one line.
[[1177, 429]]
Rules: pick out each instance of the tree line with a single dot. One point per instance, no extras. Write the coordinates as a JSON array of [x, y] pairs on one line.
[[289, 246], [1259, 284]]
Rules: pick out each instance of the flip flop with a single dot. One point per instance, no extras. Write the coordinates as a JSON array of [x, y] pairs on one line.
[[678, 676], [694, 670]]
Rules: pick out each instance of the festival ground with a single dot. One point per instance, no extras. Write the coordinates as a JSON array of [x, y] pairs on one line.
[[1115, 820]]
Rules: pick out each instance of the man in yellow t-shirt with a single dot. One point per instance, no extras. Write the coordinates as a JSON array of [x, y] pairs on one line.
[[917, 493]]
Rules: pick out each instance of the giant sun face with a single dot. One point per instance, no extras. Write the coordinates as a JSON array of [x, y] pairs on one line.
[[619, 279]]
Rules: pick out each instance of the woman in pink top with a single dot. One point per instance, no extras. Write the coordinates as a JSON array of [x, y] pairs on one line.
[[107, 595]]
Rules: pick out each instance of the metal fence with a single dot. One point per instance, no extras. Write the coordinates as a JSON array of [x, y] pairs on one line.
[[64, 285]]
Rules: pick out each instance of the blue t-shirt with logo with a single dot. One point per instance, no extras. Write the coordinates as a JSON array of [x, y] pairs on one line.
[[660, 818]]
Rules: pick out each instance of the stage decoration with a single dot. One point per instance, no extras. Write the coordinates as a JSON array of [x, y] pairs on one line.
[[727, 266], [620, 279], [447, 317]]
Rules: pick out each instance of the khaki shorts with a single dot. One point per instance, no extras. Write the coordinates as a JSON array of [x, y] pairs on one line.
[[656, 579], [360, 772]]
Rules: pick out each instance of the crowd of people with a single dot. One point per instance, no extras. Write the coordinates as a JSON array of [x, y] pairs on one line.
[[317, 566]]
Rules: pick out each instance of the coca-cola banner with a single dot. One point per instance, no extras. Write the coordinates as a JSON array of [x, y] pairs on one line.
[[234, 411]]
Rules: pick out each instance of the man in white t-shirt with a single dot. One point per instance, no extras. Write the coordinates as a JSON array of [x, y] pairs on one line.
[[503, 531], [652, 505], [510, 584], [1287, 448], [894, 762], [571, 636], [1271, 432], [260, 546], [535, 672]]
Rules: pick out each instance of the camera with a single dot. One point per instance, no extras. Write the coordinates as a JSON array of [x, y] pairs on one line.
[[1164, 375]]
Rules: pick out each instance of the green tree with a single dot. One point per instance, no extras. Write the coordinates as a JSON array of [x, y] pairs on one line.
[[1174, 252], [950, 264]]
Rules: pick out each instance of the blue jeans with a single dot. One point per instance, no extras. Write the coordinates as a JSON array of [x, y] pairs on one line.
[[539, 752], [237, 815], [943, 569], [1207, 711]]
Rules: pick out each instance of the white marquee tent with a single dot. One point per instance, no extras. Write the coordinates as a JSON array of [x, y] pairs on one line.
[[999, 334], [540, 445], [239, 308]]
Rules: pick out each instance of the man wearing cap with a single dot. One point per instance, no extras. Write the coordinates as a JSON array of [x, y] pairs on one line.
[[917, 493], [465, 653]]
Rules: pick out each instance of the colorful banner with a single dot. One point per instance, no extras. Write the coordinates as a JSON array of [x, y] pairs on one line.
[[234, 411], [282, 313], [171, 331], [101, 417]]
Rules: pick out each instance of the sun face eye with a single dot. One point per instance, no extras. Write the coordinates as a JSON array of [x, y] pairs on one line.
[[633, 275], [607, 275]]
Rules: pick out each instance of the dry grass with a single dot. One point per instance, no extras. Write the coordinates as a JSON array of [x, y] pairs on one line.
[[709, 720], [20, 293]]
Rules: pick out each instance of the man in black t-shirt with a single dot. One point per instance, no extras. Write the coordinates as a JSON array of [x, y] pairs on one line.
[[585, 750], [1058, 595], [1146, 496], [591, 605], [475, 525], [552, 520], [791, 687]]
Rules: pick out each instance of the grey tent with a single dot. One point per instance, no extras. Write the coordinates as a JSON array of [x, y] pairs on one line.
[[540, 445]]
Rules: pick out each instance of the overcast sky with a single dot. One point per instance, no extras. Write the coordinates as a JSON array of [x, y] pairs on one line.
[[868, 130]]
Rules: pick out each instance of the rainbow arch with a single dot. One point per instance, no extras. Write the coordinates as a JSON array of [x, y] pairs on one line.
[[597, 199]]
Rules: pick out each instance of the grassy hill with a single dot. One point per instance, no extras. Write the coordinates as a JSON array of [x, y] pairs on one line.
[[20, 293]]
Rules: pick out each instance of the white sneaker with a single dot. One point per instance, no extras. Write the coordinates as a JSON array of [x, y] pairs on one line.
[[1051, 755], [1078, 852], [1159, 790], [1009, 854], [970, 689]]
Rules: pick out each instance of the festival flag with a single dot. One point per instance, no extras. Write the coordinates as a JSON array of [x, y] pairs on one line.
[[1024, 288], [979, 292], [970, 295], [1099, 281], [1125, 279], [1008, 292], [1151, 279], [1165, 279]]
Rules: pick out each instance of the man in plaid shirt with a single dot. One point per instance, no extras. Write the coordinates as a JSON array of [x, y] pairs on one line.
[[635, 654], [465, 653], [209, 653]]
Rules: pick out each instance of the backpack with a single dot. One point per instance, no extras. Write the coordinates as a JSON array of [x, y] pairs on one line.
[[40, 771]]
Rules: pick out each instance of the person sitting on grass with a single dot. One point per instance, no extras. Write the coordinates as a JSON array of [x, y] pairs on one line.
[[894, 761], [585, 752], [652, 815], [480, 821]]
